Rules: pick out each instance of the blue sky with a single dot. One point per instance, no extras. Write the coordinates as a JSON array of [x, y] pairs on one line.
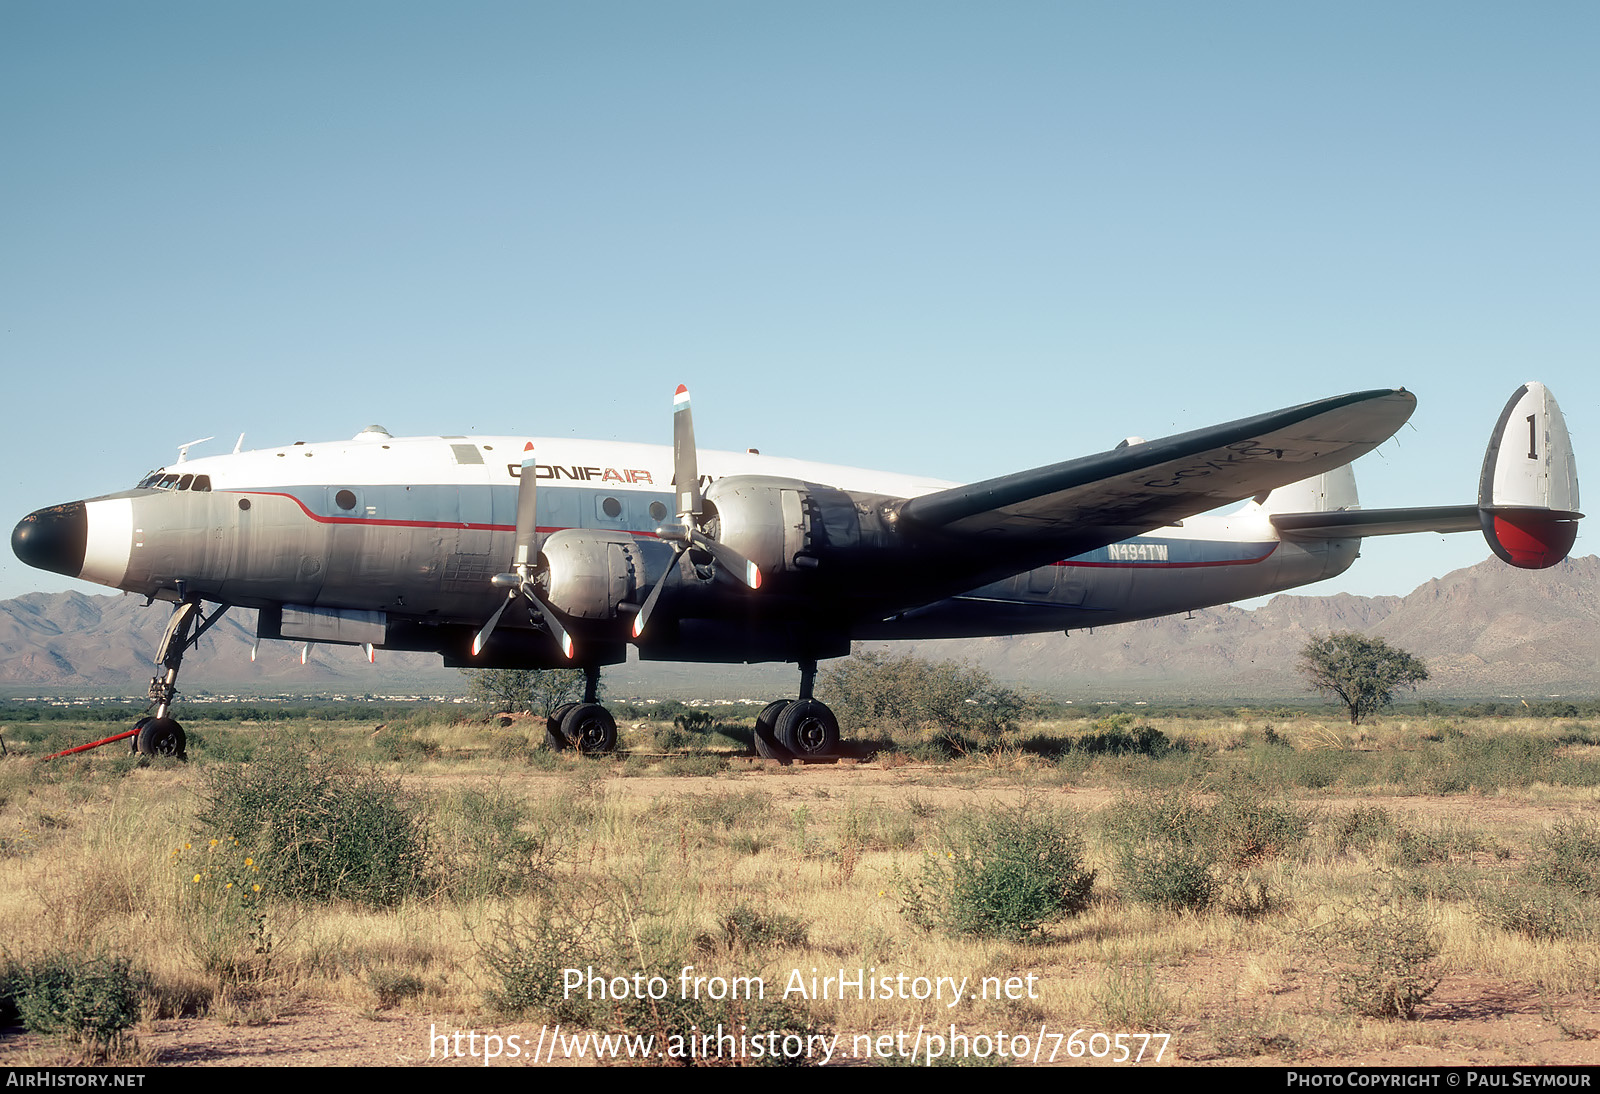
[[950, 239]]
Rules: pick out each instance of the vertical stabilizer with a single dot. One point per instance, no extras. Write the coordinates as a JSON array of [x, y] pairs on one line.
[[1528, 492], [1329, 492]]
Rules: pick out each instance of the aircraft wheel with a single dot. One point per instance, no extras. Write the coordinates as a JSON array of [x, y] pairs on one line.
[[808, 729], [767, 746], [133, 742], [590, 728], [554, 739], [162, 737]]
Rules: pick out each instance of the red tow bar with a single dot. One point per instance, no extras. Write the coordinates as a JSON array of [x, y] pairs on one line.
[[93, 744]]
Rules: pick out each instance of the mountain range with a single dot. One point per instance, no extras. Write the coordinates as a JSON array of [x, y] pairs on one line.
[[1486, 630]]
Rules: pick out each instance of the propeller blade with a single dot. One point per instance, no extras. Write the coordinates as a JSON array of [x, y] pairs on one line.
[[481, 639], [685, 467], [655, 594], [527, 514], [557, 631]]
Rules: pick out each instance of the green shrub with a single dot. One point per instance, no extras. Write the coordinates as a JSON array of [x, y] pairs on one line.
[[1006, 873], [92, 998], [1168, 874], [875, 690], [1173, 852], [1362, 829], [1381, 951], [486, 846], [746, 930], [603, 928], [1121, 735], [1569, 856], [320, 830], [1539, 912]]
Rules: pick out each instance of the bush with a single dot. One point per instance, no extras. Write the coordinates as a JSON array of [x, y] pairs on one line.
[[1538, 912], [1569, 856], [1171, 852], [1381, 950], [602, 927], [487, 849], [1122, 734], [943, 697], [1006, 874], [322, 831], [747, 930], [1168, 874], [92, 998]]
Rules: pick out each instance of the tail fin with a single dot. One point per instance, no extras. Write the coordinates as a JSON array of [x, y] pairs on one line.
[[1528, 492]]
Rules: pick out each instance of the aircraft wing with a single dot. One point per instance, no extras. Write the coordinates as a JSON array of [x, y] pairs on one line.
[[1099, 499], [1348, 523]]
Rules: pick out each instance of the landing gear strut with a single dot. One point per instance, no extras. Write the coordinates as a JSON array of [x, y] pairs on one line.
[[159, 734], [802, 728]]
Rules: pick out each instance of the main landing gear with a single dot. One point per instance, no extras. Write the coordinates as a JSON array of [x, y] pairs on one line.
[[585, 726], [798, 729]]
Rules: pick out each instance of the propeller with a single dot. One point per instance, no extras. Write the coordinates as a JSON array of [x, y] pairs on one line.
[[519, 580], [686, 481]]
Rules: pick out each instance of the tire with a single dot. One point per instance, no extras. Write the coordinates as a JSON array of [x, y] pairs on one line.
[[766, 739], [554, 740], [133, 742], [162, 737], [590, 728], [808, 730]]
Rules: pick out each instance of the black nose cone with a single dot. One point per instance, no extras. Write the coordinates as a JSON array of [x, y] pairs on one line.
[[53, 539]]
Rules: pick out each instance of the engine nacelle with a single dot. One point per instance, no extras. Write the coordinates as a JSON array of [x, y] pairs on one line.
[[784, 525], [593, 572]]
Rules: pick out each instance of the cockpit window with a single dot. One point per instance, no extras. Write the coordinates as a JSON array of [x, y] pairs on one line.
[[162, 479]]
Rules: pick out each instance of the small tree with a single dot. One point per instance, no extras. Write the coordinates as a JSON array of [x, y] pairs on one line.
[[906, 692], [1362, 673], [538, 691]]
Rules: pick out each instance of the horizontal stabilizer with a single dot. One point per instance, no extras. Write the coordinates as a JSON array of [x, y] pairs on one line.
[[1353, 523]]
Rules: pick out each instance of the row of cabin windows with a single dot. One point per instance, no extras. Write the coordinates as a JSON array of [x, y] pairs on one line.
[[171, 480], [609, 507]]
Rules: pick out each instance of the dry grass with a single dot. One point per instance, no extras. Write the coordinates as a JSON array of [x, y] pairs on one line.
[[98, 855]]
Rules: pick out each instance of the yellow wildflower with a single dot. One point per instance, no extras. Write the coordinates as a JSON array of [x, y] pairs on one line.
[[197, 879]]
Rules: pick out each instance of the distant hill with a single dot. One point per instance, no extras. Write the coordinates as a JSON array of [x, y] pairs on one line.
[[1485, 630]]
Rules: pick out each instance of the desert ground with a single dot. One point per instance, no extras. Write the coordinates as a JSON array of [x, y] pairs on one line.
[[1264, 888]]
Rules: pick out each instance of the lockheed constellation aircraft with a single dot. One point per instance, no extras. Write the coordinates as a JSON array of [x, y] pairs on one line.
[[511, 552]]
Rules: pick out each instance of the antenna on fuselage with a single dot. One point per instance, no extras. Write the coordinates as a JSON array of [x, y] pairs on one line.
[[183, 449], [238, 444]]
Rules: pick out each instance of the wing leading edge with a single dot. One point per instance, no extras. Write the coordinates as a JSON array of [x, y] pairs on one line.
[[1099, 499]]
